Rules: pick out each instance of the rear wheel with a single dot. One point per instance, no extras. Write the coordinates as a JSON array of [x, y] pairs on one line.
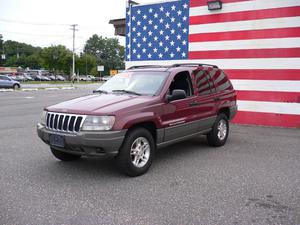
[[63, 156], [16, 86], [136, 154], [219, 134]]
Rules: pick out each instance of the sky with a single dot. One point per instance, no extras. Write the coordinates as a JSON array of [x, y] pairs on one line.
[[47, 22]]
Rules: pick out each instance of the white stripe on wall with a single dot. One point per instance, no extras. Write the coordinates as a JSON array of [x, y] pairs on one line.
[[259, 63], [245, 44], [269, 107], [261, 24], [266, 85], [244, 6]]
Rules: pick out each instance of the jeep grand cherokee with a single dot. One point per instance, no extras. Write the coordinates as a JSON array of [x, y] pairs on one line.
[[139, 110]]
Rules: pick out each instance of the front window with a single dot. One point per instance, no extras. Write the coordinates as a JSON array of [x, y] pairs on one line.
[[143, 83]]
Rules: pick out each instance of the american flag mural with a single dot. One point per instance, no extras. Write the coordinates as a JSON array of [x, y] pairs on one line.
[[256, 42]]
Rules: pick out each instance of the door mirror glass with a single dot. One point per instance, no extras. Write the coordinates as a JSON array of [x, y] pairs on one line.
[[176, 95]]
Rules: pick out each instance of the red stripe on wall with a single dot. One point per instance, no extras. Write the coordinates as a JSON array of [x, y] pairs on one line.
[[195, 3], [263, 74], [246, 15], [269, 96], [247, 53], [267, 119], [246, 35]]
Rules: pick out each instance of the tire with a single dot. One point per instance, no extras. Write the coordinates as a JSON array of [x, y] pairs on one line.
[[63, 156], [132, 160], [16, 86], [220, 130]]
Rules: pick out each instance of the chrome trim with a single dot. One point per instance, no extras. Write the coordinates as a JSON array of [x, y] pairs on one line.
[[63, 115]]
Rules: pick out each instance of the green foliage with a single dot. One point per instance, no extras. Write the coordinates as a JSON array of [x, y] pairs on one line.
[[1, 43], [85, 63], [57, 59], [1, 50], [33, 61], [13, 48], [107, 51]]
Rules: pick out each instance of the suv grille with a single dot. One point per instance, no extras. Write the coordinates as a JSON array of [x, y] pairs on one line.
[[64, 122]]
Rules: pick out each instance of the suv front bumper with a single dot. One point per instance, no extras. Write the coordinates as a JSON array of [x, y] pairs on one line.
[[89, 143]]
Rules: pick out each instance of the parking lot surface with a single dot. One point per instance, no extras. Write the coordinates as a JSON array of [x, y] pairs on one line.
[[253, 179]]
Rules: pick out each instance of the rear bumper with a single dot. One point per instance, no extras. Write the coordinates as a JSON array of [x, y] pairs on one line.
[[94, 143], [233, 111]]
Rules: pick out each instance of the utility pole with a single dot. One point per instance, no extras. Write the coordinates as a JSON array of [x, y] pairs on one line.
[[73, 27]]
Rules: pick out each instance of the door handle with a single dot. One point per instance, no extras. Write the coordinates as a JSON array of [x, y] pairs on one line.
[[194, 103]]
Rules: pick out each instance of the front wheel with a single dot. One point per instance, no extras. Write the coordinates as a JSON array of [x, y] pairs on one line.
[[220, 130], [63, 156], [136, 154]]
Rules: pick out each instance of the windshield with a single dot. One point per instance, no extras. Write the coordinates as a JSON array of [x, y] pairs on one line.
[[141, 83]]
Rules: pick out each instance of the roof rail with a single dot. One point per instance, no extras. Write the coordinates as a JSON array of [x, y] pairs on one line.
[[145, 66], [194, 64]]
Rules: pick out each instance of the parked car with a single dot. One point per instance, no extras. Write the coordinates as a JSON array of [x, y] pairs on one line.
[[83, 78], [105, 78], [139, 110], [20, 78], [91, 77], [60, 78], [8, 82], [45, 78], [28, 78], [52, 77], [98, 79]]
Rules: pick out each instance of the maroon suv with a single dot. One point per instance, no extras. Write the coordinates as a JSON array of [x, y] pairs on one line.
[[139, 110]]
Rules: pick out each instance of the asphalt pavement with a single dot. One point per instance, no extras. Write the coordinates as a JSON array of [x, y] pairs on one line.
[[253, 179]]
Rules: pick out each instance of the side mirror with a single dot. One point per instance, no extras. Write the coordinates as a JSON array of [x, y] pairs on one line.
[[176, 95]]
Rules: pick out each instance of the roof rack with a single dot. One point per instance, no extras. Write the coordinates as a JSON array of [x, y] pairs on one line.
[[174, 65], [145, 66], [194, 64]]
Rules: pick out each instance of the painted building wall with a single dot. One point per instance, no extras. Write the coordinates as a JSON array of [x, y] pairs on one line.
[[256, 42]]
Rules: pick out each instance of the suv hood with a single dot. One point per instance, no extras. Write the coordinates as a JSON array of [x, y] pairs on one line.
[[99, 104]]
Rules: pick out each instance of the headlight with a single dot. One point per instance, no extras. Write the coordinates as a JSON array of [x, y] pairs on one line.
[[43, 117], [98, 123]]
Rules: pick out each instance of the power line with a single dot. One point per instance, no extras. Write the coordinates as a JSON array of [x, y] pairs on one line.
[[33, 23], [30, 34]]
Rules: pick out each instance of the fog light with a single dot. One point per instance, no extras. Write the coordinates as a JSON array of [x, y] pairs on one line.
[[100, 150]]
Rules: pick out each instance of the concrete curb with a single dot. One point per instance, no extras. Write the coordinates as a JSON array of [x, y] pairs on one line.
[[38, 89]]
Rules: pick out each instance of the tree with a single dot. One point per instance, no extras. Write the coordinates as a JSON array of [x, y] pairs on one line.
[[1, 43], [57, 58], [16, 48], [33, 61], [16, 54], [85, 63], [108, 52], [1, 51]]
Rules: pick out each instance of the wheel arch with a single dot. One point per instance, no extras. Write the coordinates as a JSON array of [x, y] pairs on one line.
[[225, 111], [148, 125]]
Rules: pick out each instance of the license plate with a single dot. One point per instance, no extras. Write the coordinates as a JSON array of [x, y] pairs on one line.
[[57, 140]]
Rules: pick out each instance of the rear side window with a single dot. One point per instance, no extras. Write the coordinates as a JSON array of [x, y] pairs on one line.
[[3, 78], [221, 81], [204, 83]]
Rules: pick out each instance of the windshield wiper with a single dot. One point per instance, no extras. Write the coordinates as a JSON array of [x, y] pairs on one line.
[[126, 91], [100, 91]]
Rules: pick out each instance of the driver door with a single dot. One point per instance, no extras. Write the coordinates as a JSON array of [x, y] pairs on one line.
[[180, 116]]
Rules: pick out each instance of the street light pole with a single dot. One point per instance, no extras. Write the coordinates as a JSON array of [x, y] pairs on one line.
[[73, 66], [85, 65]]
